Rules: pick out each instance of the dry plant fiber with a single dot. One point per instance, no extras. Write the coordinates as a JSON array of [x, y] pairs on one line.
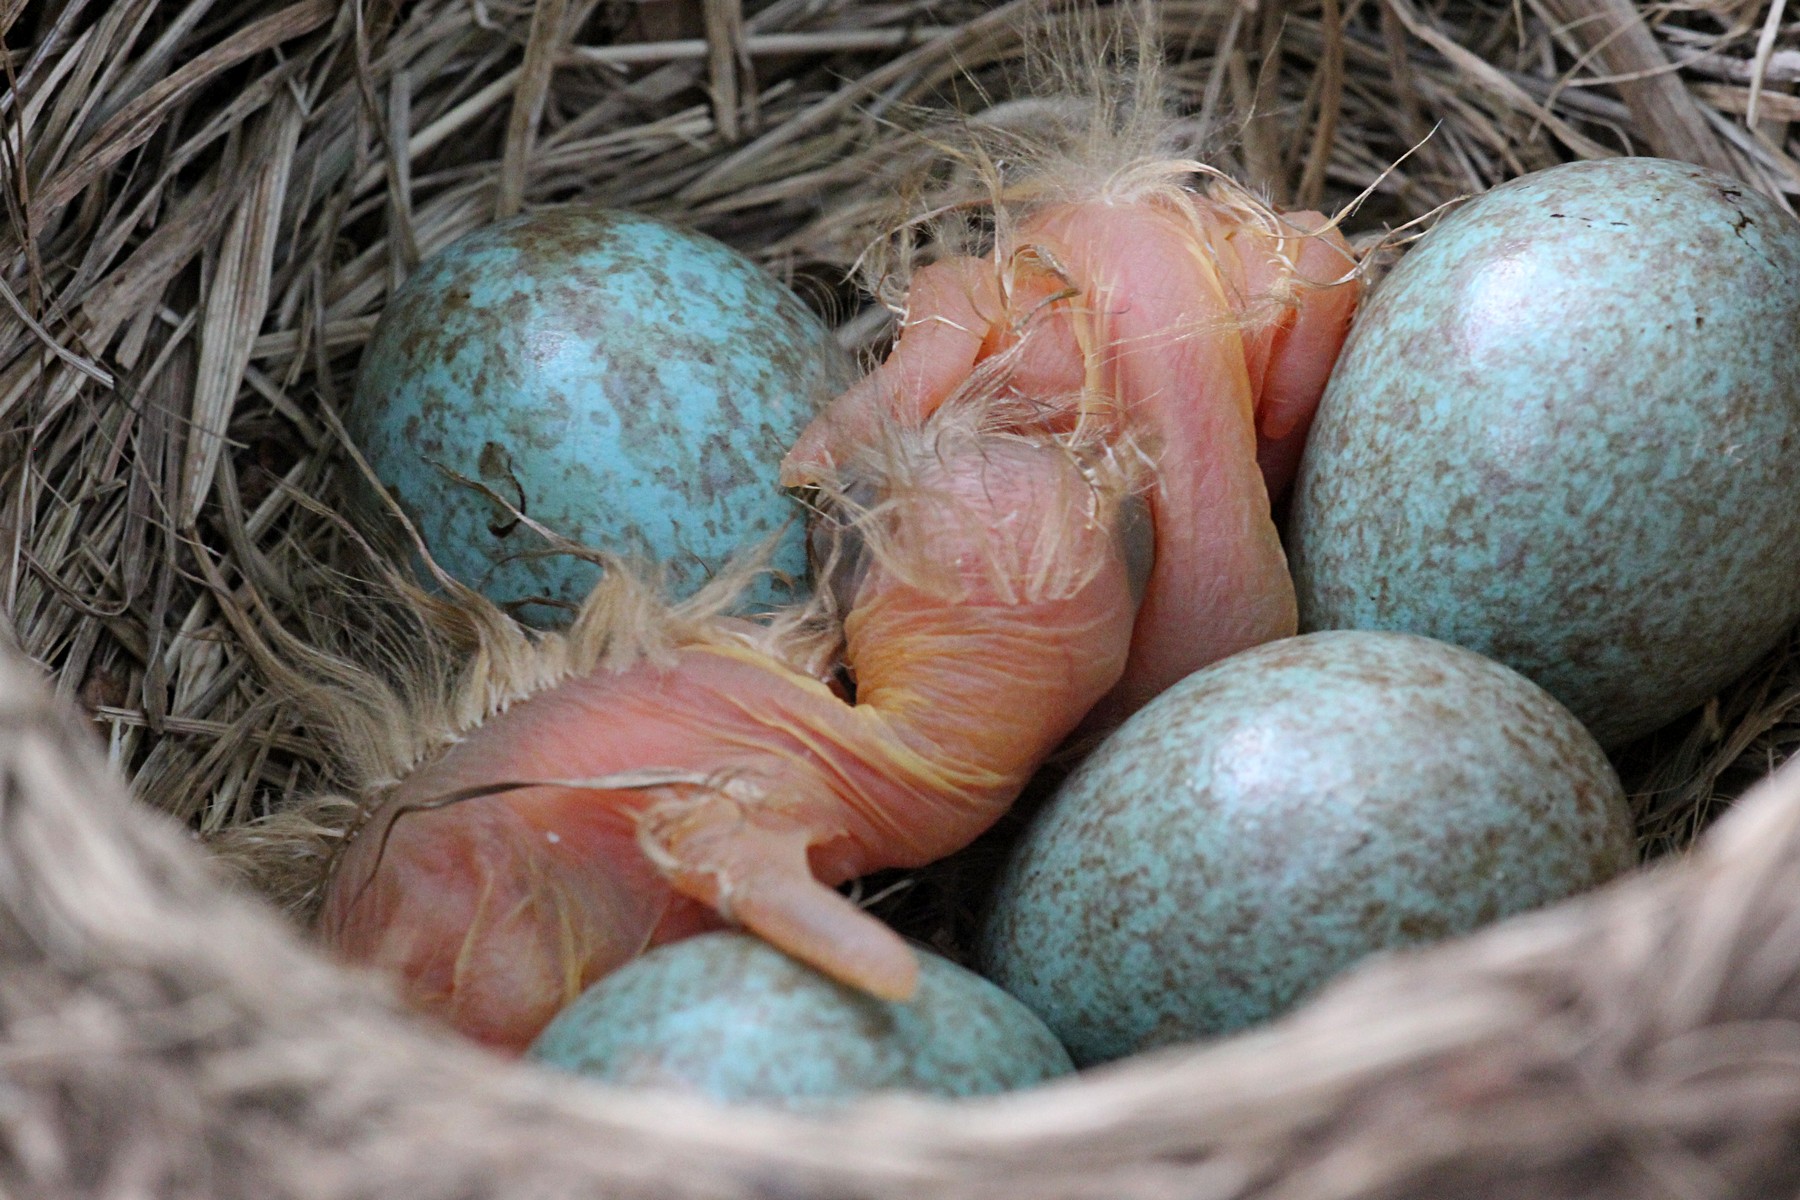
[[206, 206]]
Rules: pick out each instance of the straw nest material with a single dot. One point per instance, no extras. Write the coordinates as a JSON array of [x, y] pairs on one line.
[[207, 206]]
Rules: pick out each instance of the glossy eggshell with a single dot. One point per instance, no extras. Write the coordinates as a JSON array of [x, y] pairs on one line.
[[1278, 816], [626, 383], [1564, 433], [727, 1016]]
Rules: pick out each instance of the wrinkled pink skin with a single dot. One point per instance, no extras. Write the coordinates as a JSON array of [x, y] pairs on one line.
[[496, 911], [1153, 316], [998, 611]]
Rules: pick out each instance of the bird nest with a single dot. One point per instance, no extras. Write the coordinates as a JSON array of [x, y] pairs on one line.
[[208, 207]]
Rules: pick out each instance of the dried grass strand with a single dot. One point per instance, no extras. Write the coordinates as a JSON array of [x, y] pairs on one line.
[[1615, 31]]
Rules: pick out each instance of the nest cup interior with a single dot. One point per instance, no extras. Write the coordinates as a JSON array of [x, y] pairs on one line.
[[208, 208]]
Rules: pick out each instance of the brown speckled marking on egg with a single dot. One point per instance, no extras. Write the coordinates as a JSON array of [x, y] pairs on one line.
[[1276, 817], [729, 1017], [1563, 434], [621, 381]]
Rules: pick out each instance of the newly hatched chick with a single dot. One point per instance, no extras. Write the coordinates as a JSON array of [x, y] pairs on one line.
[[1150, 298], [1132, 342]]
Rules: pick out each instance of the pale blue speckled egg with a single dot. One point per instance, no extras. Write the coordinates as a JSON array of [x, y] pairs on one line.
[[626, 383], [1564, 433], [726, 1015], [1276, 817]]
